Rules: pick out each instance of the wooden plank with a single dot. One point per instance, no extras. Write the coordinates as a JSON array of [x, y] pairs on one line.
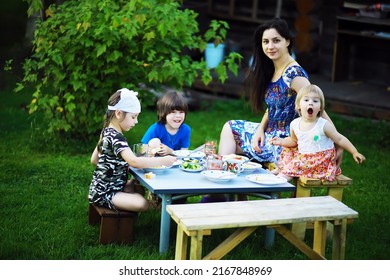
[[260, 212], [299, 244], [319, 240], [336, 193], [257, 220], [339, 240], [181, 244], [273, 216], [245, 207], [230, 243], [343, 180], [196, 246], [309, 181]]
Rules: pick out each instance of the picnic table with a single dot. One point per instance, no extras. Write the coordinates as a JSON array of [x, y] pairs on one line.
[[176, 183]]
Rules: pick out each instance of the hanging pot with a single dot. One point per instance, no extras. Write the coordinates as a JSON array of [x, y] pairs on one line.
[[214, 54]]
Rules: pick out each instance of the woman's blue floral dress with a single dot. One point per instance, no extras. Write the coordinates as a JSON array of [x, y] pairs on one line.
[[280, 100]]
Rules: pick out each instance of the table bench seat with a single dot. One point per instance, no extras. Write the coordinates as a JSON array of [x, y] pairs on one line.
[[115, 226], [305, 187], [198, 220]]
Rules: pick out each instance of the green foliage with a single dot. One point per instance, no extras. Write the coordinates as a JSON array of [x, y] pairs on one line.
[[217, 32], [34, 6], [86, 50]]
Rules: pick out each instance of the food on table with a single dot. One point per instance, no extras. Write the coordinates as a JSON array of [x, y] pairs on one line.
[[154, 145], [192, 164], [150, 175], [235, 157], [251, 165]]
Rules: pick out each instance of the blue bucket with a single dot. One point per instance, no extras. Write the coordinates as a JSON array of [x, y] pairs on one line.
[[214, 55]]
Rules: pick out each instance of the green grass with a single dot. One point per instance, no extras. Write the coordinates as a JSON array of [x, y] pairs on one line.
[[44, 183]]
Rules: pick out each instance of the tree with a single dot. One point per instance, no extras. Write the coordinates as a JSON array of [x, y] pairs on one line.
[[85, 50]]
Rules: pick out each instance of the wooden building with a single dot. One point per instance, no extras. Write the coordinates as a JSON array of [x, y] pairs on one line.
[[332, 38]]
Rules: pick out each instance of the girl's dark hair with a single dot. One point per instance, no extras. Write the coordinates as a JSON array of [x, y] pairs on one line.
[[113, 100], [262, 69], [170, 101]]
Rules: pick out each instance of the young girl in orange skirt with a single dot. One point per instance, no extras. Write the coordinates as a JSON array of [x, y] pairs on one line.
[[315, 138]]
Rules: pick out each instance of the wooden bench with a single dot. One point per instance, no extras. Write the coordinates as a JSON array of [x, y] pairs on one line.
[[198, 220], [115, 226], [305, 187]]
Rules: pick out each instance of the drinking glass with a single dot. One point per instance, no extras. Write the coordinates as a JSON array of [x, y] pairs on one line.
[[210, 146], [141, 149]]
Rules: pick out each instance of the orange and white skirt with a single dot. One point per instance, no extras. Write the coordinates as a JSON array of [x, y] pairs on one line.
[[320, 165]]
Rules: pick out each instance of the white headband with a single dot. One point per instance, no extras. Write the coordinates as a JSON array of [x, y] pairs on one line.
[[128, 103]]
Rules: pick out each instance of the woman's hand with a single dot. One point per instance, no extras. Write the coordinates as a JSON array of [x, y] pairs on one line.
[[258, 141], [259, 137]]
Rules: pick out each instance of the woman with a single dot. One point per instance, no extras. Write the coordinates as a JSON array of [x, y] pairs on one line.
[[274, 78]]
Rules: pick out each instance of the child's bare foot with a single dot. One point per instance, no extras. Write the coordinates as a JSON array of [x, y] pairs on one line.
[[275, 171]]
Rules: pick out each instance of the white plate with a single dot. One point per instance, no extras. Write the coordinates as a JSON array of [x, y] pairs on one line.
[[251, 166], [219, 176], [191, 170], [266, 179], [188, 153], [235, 157], [157, 170], [177, 163]]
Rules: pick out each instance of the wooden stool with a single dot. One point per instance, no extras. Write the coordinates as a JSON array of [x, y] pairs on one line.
[[115, 226], [304, 189]]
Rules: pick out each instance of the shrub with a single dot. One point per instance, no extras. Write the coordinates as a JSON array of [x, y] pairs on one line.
[[85, 50]]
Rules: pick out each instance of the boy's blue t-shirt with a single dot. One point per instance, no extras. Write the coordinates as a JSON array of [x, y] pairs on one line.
[[176, 142]]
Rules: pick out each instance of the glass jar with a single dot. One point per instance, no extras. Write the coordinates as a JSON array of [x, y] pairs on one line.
[[214, 162]]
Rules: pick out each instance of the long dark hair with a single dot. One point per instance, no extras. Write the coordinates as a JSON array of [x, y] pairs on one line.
[[262, 68]]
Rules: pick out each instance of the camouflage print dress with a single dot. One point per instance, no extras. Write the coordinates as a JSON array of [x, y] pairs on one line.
[[111, 173], [280, 100]]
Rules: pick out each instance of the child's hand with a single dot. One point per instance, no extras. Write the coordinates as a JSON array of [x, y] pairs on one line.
[[359, 158], [164, 150], [275, 141], [168, 160]]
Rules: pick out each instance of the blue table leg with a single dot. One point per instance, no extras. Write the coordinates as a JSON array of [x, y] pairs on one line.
[[165, 223], [270, 232]]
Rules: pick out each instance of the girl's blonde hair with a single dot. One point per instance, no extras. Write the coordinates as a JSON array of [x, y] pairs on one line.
[[170, 101], [305, 90]]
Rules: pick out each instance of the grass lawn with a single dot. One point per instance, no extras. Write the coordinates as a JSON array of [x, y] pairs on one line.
[[44, 184]]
